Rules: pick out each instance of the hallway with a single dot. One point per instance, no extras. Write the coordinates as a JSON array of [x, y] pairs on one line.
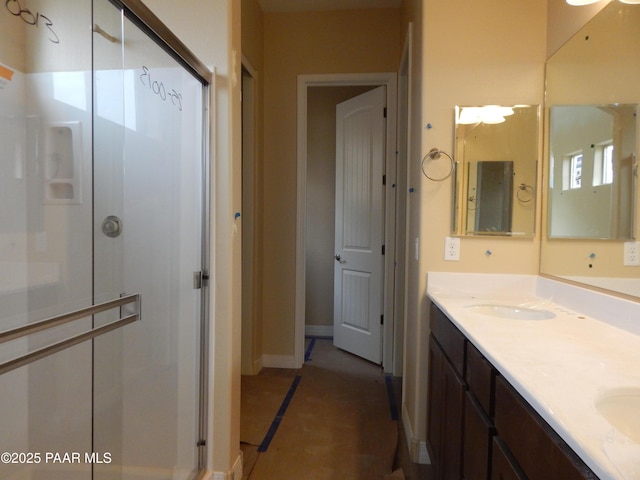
[[337, 417]]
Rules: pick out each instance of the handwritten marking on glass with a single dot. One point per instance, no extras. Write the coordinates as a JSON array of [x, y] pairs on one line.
[[15, 8], [159, 89]]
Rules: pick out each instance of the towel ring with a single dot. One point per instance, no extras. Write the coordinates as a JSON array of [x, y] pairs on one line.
[[435, 154], [523, 187]]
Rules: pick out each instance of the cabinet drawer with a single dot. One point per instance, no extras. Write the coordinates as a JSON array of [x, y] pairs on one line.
[[449, 337], [480, 377], [537, 448]]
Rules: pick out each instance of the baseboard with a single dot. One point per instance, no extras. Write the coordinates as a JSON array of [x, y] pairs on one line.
[[278, 361], [234, 474], [417, 448], [318, 330], [257, 366]]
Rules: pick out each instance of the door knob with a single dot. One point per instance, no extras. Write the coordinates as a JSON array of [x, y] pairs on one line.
[[338, 258]]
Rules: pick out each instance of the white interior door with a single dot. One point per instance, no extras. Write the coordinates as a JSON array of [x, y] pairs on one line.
[[358, 271]]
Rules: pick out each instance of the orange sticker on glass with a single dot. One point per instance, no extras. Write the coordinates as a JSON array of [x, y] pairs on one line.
[[6, 73]]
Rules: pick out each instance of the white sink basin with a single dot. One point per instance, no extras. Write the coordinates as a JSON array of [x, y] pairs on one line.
[[513, 312], [621, 408]]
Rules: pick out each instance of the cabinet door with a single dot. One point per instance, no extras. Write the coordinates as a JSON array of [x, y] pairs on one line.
[[478, 432], [453, 421], [503, 466], [436, 402], [445, 415], [538, 449]]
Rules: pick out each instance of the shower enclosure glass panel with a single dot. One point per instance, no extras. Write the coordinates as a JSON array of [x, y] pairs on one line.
[[101, 195]]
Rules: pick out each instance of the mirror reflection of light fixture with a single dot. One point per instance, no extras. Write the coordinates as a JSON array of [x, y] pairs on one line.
[[489, 114], [581, 2], [589, 2]]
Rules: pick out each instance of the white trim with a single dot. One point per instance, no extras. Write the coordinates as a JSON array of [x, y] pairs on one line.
[[234, 474], [401, 253], [279, 361], [417, 448], [318, 330], [390, 81]]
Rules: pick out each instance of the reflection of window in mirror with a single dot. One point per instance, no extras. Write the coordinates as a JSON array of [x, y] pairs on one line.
[[572, 171], [603, 164]]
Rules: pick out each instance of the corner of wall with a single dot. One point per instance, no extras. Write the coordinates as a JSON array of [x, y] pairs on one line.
[[417, 448]]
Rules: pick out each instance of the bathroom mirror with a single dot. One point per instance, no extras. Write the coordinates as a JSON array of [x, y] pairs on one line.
[[496, 151], [592, 93]]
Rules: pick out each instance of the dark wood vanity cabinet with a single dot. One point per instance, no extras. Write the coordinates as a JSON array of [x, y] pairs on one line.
[[479, 427]]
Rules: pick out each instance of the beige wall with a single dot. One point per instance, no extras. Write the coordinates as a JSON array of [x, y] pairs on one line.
[[489, 52], [294, 44]]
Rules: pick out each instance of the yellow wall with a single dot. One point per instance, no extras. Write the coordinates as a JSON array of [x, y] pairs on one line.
[[294, 44]]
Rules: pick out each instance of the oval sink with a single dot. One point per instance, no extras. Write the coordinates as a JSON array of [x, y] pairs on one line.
[[621, 408], [513, 312]]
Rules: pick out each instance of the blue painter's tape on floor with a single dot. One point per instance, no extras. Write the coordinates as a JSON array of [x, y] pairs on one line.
[[276, 421], [392, 399], [307, 354]]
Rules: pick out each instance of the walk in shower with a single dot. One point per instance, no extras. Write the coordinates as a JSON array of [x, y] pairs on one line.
[[103, 195]]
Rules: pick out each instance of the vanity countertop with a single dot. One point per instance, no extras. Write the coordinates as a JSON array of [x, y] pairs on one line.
[[562, 366]]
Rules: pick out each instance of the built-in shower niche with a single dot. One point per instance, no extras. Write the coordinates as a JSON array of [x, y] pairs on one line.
[[62, 163]]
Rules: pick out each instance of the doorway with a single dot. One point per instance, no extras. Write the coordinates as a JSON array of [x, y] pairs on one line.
[[310, 87], [103, 295]]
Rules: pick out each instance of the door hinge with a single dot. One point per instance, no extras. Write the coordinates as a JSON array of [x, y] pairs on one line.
[[201, 443], [383, 249], [384, 179], [381, 319], [385, 112]]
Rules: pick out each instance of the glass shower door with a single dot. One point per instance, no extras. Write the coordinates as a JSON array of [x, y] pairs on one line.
[[45, 236], [101, 198], [148, 223]]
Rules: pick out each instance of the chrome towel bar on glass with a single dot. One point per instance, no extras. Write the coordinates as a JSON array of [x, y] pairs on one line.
[[52, 322]]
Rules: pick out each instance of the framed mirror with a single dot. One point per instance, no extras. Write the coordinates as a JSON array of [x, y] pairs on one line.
[[591, 213], [497, 157]]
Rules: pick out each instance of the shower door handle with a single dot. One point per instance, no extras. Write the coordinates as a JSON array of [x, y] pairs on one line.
[[112, 226]]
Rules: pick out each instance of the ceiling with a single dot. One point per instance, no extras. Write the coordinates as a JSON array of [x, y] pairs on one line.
[[317, 5]]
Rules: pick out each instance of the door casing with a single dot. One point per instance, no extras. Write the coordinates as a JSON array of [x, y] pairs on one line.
[[388, 80]]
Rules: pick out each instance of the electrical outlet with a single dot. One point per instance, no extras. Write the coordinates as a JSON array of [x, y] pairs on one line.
[[631, 254], [452, 248]]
